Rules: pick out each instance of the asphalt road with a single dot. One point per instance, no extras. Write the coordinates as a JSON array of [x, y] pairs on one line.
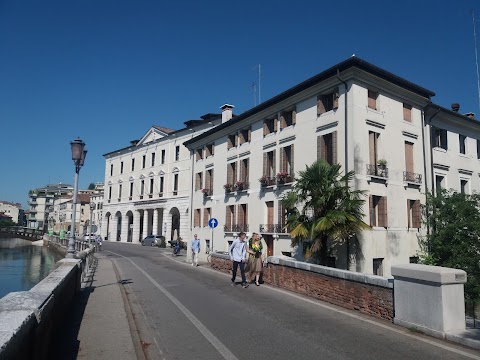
[[183, 312]]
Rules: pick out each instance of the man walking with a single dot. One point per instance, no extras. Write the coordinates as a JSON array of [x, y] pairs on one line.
[[195, 246], [238, 254]]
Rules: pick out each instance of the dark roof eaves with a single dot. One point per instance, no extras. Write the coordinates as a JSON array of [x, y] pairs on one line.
[[456, 114]]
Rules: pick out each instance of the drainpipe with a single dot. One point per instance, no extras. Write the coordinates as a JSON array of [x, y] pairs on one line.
[[346, 150]]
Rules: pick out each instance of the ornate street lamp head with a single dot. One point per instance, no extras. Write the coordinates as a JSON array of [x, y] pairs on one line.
[[92, 206], [78, 147]]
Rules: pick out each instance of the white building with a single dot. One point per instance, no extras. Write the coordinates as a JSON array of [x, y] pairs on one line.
[[148, 184], [353, 113], [10, 209], [63, 212]]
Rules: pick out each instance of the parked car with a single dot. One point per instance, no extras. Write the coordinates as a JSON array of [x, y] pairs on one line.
[[151, 240], [89, 238]]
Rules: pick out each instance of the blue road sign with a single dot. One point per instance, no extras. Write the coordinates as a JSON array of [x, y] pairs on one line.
[[213, 223]]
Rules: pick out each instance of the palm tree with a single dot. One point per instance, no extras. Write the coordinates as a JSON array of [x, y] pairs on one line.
[[322, 206]]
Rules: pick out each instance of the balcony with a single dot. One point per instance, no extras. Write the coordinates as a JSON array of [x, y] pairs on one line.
[[283, 179], [207, 192], [33, 210], [267, 181], [33, 201], [377, 171], [241, 186], [272, 229], [235, 228], [412, 178]]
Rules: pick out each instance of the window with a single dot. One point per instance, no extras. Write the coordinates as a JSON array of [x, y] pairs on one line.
[[209, 150], [111, 169], [232, 141], [231, 173], [133, 164], [327, 148], [142, 188], [462, 139], [407, 112], [378, 211], [269, 126], [144, 158], [242, 217], [199, 154], [287, 118], [109, 193], [209, 181], [414, 214], [153, 159], [244, 172], [119, 192], [286, 160], [439, 182], [409, 157], [177, 152], [206, 216], [245, 136], [378, 266], [439, 138], [162, 179], [163, 157], [464, 186], [151, 187], [269, 164], [373, 140], [198, 181], [121, 167], [327, 102], [196, 218], [131, 191], [230, 218], [175, 184], [372, 99], [270, 213]]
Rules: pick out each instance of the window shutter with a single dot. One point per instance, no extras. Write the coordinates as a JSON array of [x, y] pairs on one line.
[[269, 212], [207, 180], [242, 170], [196, 220], [211, 181], [197, 157], [198, 181], [274, 165], [205, 217], [246, 216], [444, 139], [249, 134], [228, 217], [321, 148], [372, 210], [409, 221], [334, 147], [265, 128], [275, 124], [229, 145], [281, 215], [282, 162], [265, 164], [292, 157], [372, 99], [241, 138], [213, 149], [283, 122], [409, 157], [229, 174], [382, 212], [320, 106], [294, 116], [247, 169], [416, 214], [335, 98]]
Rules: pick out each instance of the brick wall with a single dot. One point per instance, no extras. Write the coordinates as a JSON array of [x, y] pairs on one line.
[[368, 294]]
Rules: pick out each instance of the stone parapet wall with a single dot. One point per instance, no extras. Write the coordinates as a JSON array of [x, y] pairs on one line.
[[368, 294]]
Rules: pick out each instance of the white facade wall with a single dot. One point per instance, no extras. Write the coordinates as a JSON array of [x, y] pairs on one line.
[[10, 209]]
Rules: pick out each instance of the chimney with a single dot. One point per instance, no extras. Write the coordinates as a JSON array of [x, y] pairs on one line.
[[226, 112], [455, 107], [470, 115], [134, 142]]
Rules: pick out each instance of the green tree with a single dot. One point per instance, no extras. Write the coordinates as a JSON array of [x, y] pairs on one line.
[[91, 186], [322, 206], [453, 241], [6, 223]]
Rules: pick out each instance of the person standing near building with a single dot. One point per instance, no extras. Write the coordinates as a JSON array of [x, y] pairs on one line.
[[195, 246], [238, 253]]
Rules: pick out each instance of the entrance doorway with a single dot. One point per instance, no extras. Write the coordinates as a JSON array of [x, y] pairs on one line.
[[269, 242]]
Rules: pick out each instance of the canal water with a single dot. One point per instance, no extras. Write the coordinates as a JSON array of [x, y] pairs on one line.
[[23, 265]]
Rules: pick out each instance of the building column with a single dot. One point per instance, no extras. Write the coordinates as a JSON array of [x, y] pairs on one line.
[[167, 226], [113, 228], [145, 224], [155, 222], [136, 226], [103, 229], [124, 229]]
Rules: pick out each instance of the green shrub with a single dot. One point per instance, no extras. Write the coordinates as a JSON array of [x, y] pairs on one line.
[[162, 242]]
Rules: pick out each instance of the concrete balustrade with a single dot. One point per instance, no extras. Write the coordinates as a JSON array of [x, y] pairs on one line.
[[27, 318]]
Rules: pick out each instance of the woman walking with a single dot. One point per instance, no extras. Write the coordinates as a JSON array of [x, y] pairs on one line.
[[254, 251]]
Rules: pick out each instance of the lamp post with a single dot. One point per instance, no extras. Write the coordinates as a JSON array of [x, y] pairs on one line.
[[78, 157], [92, 207]]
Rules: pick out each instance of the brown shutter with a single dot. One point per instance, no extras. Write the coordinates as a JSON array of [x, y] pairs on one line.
[[335, 98], [211, 181], [321, 148], [416, 214], [382, 212], [247, 170], [229, 174], [371, 212], [213, 149], [372, 99], [229, 144], [196, 220], [409, 224], [292, 161], [443, 136], [275, 124], [207, 180], [407, 112], [265, 164], [234, 214], [294, 116], [283, 122], [198, 182], [228, 217], [236, 140], [371, 144], [282, 167], [274, 163], [249, 134], [269, 212], [409, 157], [242, 170], [265, 128], [334, 147], [197, 155], [281, 215], [205, 217], [246, 216], [320, 106]]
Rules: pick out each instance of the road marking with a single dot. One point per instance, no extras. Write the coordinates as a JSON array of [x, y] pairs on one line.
[[318, 303], [217, 344]]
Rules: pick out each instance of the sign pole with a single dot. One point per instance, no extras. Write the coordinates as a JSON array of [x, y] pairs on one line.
[[212, 240]]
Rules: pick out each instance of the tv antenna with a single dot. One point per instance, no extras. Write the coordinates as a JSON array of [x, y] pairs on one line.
[[258, 68], [254, 90]]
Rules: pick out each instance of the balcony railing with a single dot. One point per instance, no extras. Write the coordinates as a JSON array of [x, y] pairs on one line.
[[376, 170], [240, 186], [285, 179], [207, 192], [235, 228], [272, 228], [268, 181], [412, 177]]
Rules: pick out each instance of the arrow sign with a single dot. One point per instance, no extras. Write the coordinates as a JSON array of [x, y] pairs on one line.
[[213, 223]]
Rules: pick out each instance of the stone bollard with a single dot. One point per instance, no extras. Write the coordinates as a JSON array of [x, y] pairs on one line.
[[429, 298]]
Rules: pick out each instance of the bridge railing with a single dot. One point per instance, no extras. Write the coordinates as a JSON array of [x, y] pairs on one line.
[[79, 244], [22, 231]]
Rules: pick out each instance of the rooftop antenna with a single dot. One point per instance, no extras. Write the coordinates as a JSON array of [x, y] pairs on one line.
[[254, 88], [476, 54], [258, 67]]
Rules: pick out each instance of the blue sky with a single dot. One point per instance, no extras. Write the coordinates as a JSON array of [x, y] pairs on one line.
[[105, 71]]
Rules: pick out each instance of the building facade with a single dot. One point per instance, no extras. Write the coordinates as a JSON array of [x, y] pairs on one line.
[[355, 114], [12, 211], [148, 184]]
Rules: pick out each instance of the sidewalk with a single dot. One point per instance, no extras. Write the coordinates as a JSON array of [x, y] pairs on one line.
[[99, 328]]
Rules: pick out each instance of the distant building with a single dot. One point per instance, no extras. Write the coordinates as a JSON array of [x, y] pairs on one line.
[[10, 210], [63, 212]]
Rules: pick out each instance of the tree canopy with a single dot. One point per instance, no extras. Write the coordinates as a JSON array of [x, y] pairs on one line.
[[91, 186], [453, 240], [322, 206]]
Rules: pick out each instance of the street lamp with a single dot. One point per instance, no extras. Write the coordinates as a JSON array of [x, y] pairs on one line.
[[78, 157], [92, 207]]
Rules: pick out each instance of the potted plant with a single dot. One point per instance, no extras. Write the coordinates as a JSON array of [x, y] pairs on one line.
[[263, 181], [382, 163], [239, 185], [228, 188], [205, 192], [281, 176]]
